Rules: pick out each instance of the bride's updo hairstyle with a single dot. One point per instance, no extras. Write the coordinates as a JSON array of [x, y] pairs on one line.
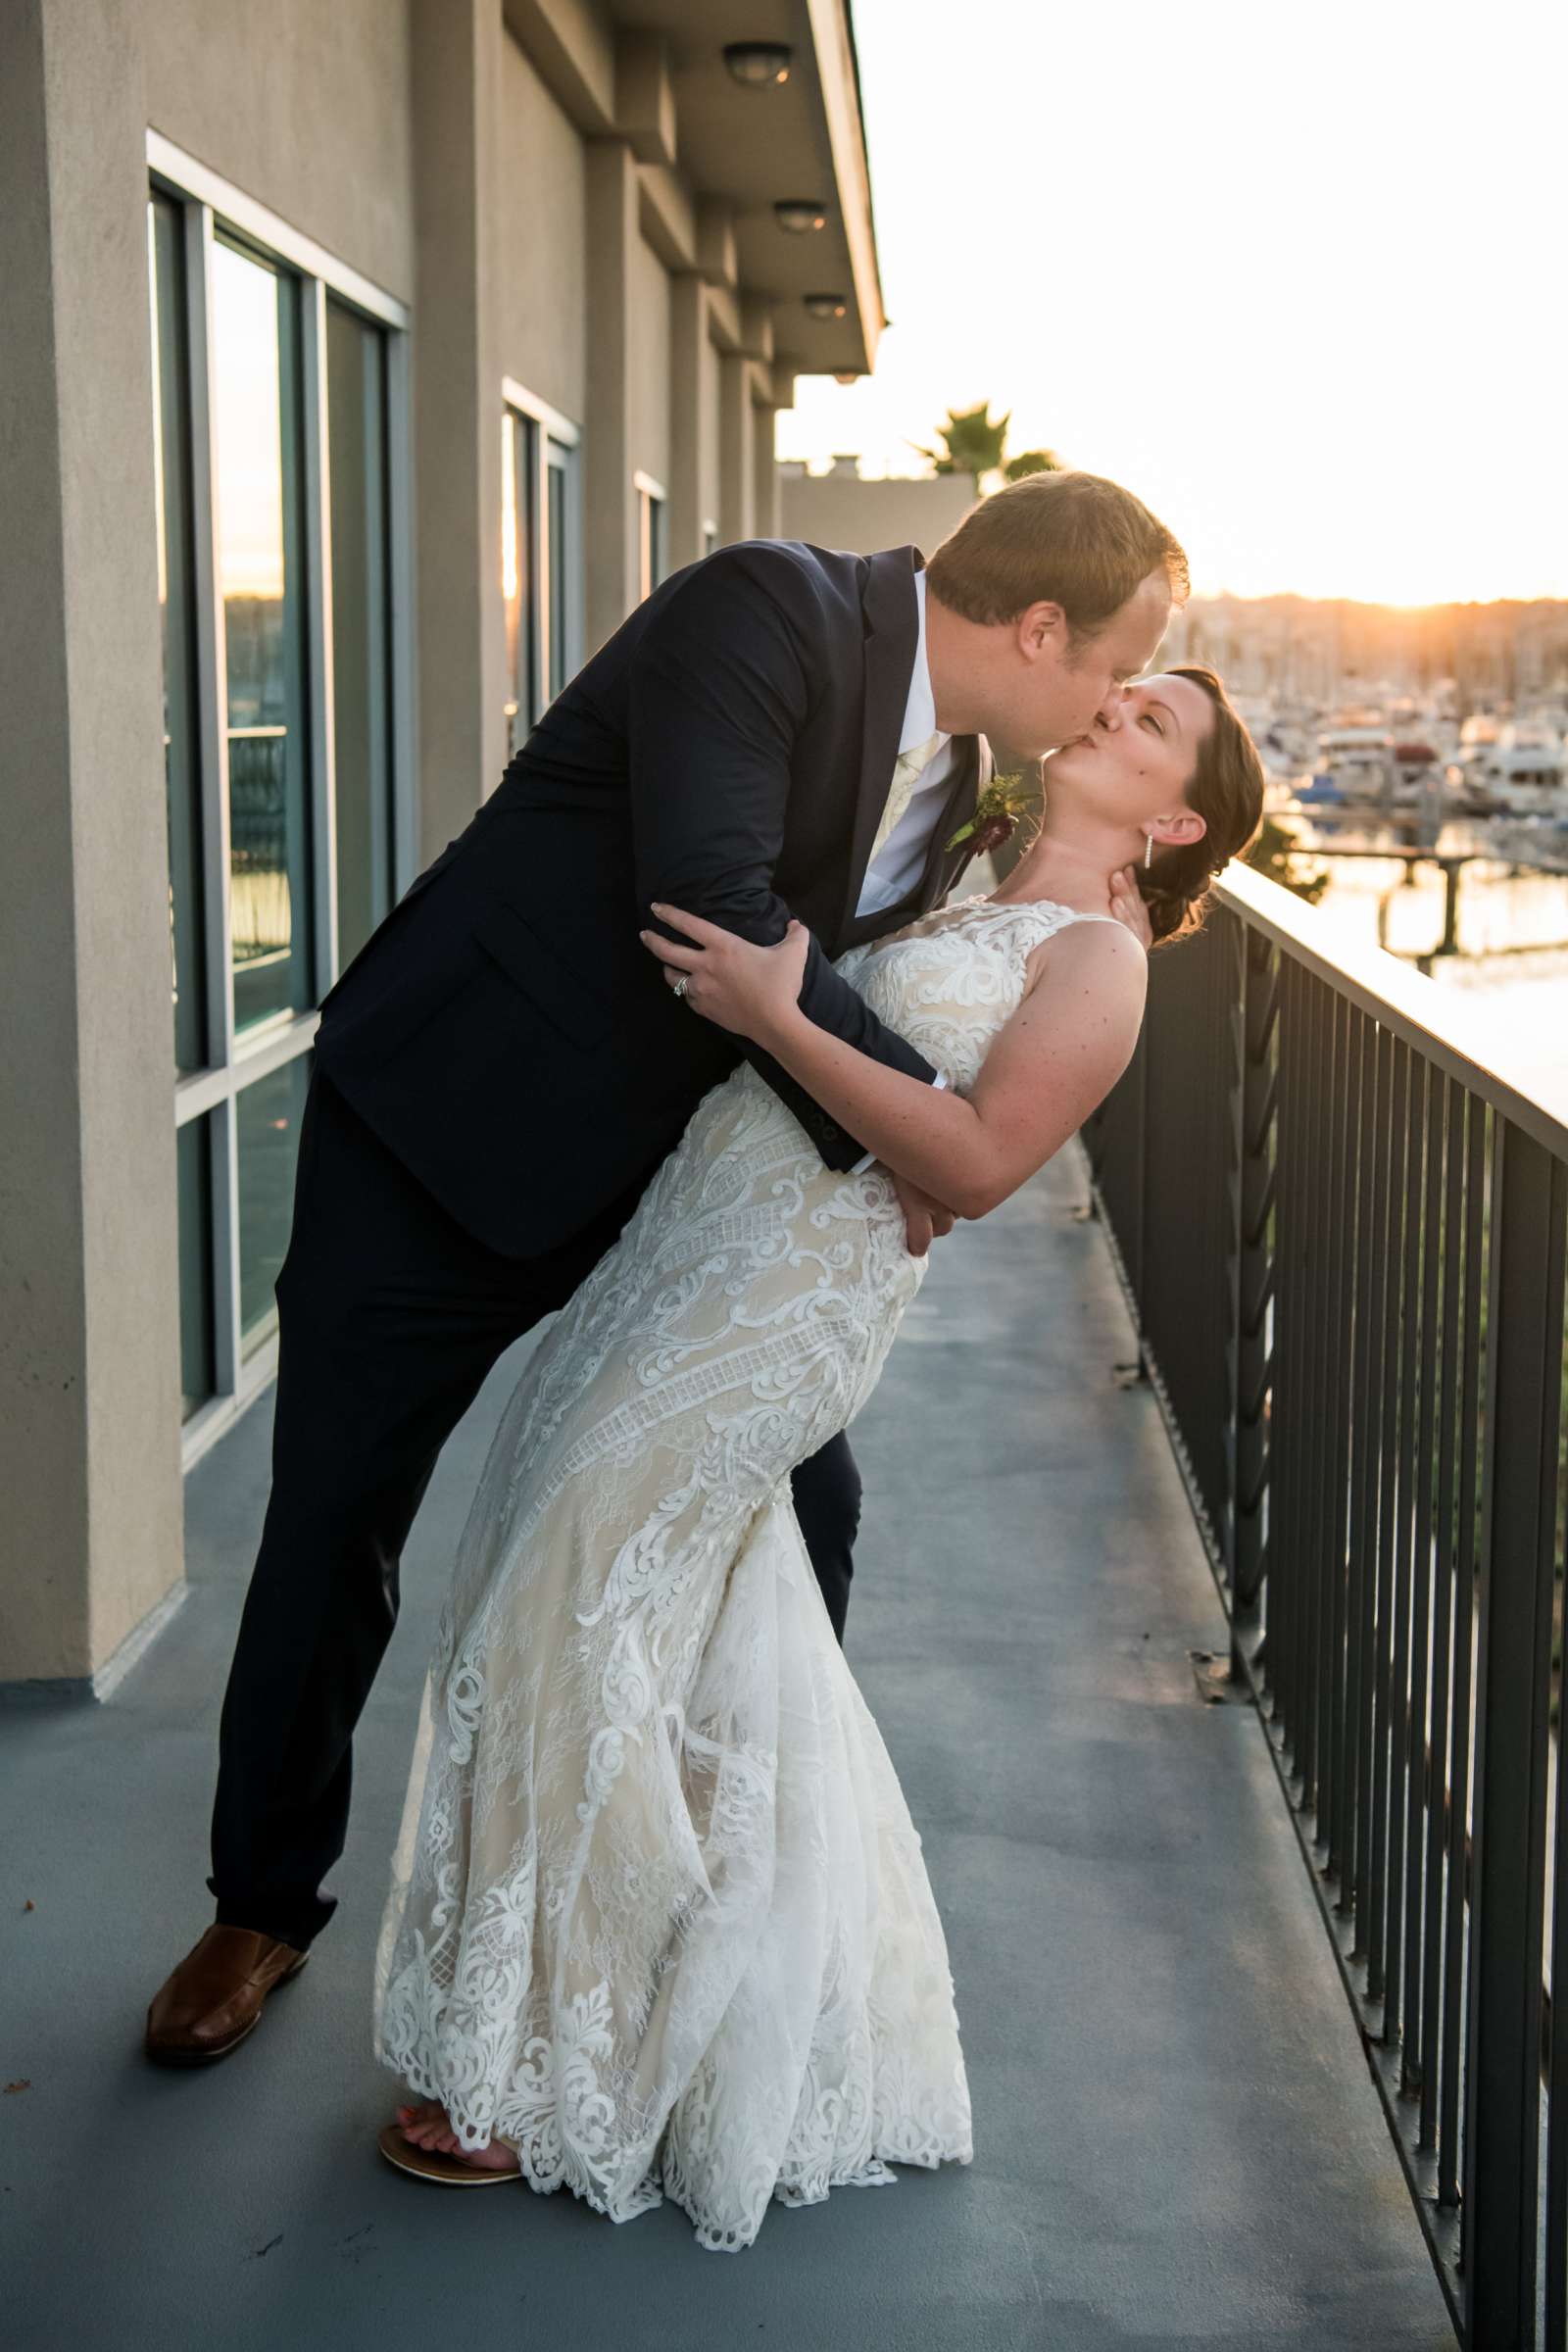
[[1070, 539], [1227, 791]]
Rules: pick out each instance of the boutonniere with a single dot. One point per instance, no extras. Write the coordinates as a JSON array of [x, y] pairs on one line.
[[1003, 800]]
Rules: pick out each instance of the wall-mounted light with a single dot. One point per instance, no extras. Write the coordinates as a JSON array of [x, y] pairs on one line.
[[826, 305], [759, 63], [799, 214]]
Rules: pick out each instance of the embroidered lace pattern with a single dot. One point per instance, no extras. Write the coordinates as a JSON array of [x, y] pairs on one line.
[[659, 1915]]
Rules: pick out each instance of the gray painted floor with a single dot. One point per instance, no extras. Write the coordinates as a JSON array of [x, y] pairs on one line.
[[1177, 2140]]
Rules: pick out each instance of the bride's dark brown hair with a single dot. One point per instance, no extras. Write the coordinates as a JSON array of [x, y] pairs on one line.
[[1227, 791]]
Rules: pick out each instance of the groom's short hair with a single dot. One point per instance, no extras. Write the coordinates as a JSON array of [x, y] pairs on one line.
[[1070, 539]]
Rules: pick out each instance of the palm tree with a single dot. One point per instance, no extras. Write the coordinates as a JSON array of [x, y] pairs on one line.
[[975, 444]]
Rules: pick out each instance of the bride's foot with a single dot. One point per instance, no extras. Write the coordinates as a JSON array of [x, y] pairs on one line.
[[427, 2125]]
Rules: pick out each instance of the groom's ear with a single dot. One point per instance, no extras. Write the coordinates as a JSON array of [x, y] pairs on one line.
[[1040, 628]]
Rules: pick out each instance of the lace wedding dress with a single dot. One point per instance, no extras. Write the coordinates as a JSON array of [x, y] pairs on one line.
[[658, 1916]]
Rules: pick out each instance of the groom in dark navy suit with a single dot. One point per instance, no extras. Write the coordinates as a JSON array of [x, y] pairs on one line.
[[777, 731]]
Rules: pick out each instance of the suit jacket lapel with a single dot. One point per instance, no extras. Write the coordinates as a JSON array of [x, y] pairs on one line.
[[892, 632], [970, 776]]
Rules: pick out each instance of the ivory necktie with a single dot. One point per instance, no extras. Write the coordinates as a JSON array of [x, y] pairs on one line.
[[907, 773]]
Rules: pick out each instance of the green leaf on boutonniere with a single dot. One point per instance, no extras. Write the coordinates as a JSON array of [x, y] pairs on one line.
[[1003, 800]]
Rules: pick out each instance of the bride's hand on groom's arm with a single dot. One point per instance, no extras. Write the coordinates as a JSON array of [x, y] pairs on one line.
[[751, 990], [729, 980]]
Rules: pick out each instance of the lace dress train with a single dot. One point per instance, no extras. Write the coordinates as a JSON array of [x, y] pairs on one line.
[[658, 1916]]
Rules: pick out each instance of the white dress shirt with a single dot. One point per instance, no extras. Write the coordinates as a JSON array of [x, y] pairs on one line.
[[901, 861]]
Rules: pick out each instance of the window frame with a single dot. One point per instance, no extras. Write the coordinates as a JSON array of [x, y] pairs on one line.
[[653, 533], [210, 208], [553, 444]]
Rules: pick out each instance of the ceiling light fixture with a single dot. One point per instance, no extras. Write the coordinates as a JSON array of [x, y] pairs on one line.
[[826, 305], [799, 214], [759, 63]]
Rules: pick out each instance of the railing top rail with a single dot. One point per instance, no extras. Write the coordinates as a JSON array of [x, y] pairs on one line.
[[1447, 1032]]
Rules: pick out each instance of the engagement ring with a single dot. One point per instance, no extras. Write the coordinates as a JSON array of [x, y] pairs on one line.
[[681, 986]]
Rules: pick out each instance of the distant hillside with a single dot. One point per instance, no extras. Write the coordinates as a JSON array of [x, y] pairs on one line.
[[1493, 652]]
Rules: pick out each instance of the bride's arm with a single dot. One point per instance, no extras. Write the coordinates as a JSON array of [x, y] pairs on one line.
[[1059, 1056]]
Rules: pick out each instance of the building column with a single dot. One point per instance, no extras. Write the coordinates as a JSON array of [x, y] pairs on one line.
[[688, 338], [737, 460], [609, 510], [89, 1280], [455, 82], [765, 502]]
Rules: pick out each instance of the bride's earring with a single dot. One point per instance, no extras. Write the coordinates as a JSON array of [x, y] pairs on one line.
[[1149, 849]]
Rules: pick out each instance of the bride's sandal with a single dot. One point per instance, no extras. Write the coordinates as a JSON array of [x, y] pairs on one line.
[[430, 2164]]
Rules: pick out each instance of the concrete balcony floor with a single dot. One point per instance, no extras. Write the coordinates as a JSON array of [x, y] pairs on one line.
[[1178, 2143]]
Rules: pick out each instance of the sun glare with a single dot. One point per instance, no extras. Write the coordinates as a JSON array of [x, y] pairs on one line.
[[1286, 274]]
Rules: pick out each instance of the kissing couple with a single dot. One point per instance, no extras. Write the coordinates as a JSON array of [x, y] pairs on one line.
[[685, 1038]]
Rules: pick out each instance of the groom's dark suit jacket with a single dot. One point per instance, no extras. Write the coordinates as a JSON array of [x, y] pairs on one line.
[[728, 751]]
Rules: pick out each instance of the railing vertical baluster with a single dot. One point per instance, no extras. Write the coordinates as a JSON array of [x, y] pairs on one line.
[[1458, 1875], [1419, 1791], [1285, 1580], [1258, 980], [1363, 1473], [1414, 1129], [1330, 1516], [1369, 1890], [1310, 1538], [1519, 1515], [1442, 1637], [1341, 1729], [1276, 1643], [1556, 2214], [1383, 1677]]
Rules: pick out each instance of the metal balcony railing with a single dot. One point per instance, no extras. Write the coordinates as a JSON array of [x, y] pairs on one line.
[[1340, 1231]]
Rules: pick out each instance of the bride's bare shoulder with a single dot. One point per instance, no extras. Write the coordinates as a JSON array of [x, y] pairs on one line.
[[1096, 949]]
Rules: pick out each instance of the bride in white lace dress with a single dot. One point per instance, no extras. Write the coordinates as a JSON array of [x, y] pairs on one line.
[[660, 1920]]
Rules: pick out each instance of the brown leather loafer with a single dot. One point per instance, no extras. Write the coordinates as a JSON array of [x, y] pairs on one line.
[[214, 1998]]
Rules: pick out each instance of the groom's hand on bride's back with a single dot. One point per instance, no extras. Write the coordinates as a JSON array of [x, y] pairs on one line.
[[1127, 906], [925, 1219]]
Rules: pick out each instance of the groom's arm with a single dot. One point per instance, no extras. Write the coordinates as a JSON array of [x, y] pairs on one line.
[[721, 687]]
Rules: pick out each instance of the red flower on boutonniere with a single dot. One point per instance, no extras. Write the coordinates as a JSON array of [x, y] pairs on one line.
[[1003, 800]]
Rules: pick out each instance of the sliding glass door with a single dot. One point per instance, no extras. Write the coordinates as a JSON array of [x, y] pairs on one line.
[[280, 446]]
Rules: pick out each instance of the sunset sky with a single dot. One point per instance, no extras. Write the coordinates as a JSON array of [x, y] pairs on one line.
[[1295, 275]]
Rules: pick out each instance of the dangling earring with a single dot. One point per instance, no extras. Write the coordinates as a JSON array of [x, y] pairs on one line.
[[1149, 849]]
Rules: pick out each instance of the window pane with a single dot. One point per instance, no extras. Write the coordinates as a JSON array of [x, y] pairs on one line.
[[518, 585], [557, 559], [266, 1118], [255, 424], [177, 611], [197, 1353], [356, 407]]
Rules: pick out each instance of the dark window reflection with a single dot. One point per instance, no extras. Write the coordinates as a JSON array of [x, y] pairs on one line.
[[197, 1349], [177, 611], [267, 1116], [356, 358], [556, 478], [255, 423], [520, 587]]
